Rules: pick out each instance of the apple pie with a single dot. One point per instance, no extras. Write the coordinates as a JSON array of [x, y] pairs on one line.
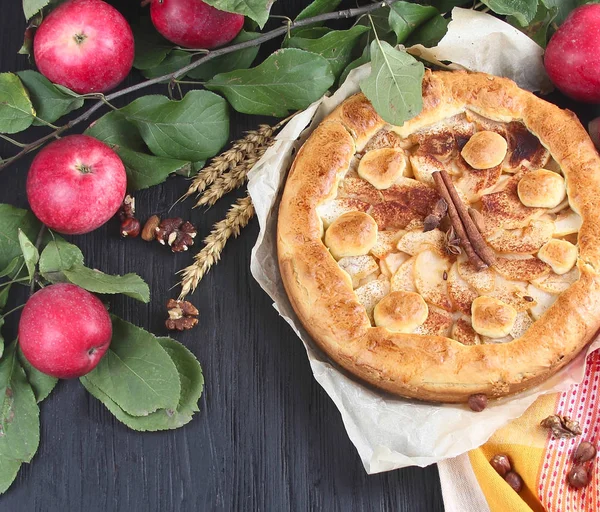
[[454, 255]]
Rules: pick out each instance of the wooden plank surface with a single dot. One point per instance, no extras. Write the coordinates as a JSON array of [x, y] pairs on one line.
[[267, 437]]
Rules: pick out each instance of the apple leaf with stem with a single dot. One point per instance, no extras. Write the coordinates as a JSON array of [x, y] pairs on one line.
[[41, 383], [174, 61], [523, 10], [150, 47], [363, 59], [16, 110], [61, 261], [430, 33], [318, 7], [564, 7], [405, 17], [19, 413], [32, 7], [242, 59], [394, 85], [258, 10], [143, 170], [136, 372], [8, 472], [11, 220], [95, 281], [192, 383], [289, 79], [49, 101], [57, 256], [30, 253], [336, 46], [538, 28], [194, 128]]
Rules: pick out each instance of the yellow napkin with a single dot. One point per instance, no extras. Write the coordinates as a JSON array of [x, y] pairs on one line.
[[542, 460]]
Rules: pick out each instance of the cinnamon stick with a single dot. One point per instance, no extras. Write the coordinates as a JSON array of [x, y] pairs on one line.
[[457, 224], [475, 237]]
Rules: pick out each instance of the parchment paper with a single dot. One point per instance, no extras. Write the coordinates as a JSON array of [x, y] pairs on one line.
[[388, 432], [480, 42]]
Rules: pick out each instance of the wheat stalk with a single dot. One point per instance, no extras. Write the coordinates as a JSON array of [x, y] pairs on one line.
[[256, 142], [237, 218], [231, 159]]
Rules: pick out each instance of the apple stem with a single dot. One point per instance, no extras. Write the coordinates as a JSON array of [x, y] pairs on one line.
[[79, 38], [84, 169], [212, 54]]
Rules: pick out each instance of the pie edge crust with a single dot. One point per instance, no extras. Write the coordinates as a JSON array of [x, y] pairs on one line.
[[432, 367]]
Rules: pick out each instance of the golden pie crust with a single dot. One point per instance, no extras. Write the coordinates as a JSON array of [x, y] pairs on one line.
[[445, 359]]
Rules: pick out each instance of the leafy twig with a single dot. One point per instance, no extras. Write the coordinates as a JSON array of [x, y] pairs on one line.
[[267, 36]]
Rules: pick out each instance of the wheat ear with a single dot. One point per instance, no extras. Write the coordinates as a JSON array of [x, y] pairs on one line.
[[237, 218]]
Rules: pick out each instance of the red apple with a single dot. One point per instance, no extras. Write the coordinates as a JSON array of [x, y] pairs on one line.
[[194, 24], [64, 331], [572, 55], [85, 45], [76, 184]]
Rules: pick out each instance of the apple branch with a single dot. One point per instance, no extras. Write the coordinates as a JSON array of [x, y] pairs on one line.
[[267, 36]]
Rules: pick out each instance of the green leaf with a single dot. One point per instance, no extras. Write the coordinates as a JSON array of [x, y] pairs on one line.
[[50, 103], [19, 413], [174, 61], [192, 129], [448, 5], [27, 46], [192, 383], [307, 33], [41, 383], [95, 281], [430, 33], [32, 7], [58, 256], [288, 79], [150, 47], [30, 253], [242, 59], [191, 170], [143, 170], [16, 110], [115, 130], [394, 85], [11, 219], [1, 336], [405, 17], [4, 298], [336, 46], [538, 28], [136, 372], [523, 10], [8, 472], [11, 267], [380, 18], [564, 7], [258, 10], [363, 59], [318, 7], [61, 261]]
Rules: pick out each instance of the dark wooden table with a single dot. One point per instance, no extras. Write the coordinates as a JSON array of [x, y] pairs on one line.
[[267, 437]]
